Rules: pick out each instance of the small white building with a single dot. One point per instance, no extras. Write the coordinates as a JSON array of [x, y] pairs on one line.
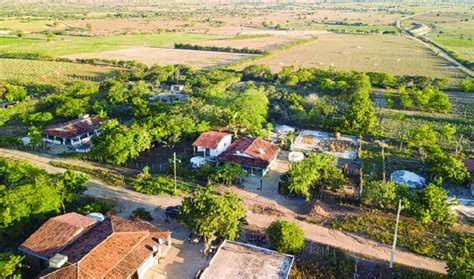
[[212, 143]]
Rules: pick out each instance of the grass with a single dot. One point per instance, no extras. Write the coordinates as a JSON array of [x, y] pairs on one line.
[[395, 55], [65, 45], [430, 240], [107, 176], [50, 71]]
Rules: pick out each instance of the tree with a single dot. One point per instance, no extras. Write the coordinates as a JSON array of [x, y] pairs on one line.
[[227, 173], [445, 166], [465, 85], [141, 213], [360, 117], [285, 237], [250, 110], [72, 183], [117, 143], [10, 92], [430, 204], [405, 99], [313, 173], [211, 215], [380, 194], [422, 136], [9, 265], [38, 119]]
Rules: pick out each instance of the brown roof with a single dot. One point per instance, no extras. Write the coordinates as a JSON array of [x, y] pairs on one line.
[[254, 152], [56, 233], [73, 128], [114, 248], [210, 139]]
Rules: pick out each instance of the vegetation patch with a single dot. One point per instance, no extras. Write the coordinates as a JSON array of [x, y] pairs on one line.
[[107, 176]]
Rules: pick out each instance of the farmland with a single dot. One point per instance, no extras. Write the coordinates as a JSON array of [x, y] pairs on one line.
[[66, 45], [49, 71], [392, 54], [167, 56]]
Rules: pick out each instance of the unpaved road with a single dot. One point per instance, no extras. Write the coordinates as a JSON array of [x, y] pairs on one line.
[[440, 52], [127, 199]]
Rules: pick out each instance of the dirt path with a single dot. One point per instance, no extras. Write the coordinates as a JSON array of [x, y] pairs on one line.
[[428, 44], [127, 200]]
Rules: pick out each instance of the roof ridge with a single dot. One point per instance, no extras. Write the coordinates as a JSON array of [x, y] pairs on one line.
[[133, 248]]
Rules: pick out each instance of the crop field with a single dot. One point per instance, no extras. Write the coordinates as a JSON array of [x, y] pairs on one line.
[[50, 71], [168, 56], [392, 54], [66, 45], [264, 42]]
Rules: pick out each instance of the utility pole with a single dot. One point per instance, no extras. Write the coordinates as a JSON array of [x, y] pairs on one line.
[[392, 255], [174, 165]]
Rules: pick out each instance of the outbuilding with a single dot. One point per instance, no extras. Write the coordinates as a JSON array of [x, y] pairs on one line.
[[75, 132], [212, 143]]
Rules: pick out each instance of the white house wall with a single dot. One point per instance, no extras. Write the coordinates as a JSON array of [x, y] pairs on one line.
[[222, 146]]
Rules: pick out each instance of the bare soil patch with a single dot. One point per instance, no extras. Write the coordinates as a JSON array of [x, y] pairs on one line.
[[165, 56]]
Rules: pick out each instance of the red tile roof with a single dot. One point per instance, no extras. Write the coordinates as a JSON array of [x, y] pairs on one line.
[[114, 248], [210, 139], [56, 233], [254, 152], [73, 128]]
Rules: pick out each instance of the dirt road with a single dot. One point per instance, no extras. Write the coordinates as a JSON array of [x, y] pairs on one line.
[[127, 200], [428, 44]]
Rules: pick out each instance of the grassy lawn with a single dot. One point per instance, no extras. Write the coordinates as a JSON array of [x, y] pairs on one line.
[[64, 45]]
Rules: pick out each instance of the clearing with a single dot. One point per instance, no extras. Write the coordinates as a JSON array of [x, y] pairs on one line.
[[168, 56], [395, 55]]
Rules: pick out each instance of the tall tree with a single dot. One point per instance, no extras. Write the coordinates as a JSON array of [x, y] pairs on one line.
[[212, 215]]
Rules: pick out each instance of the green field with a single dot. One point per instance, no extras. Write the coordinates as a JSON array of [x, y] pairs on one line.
[[50, 71], [65, 45]]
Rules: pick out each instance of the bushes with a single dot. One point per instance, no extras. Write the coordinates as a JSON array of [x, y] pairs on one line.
[[446, 167], [141, 213], [107, 176], [285, 237], [221, 49], [100, 206], [10, 265], [432, 240], [158, 184]]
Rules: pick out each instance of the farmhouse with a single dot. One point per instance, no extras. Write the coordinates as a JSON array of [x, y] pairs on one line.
[[255, 155], [74, 132], [168, 97], [212, 143], [76, 246], [239, 260]]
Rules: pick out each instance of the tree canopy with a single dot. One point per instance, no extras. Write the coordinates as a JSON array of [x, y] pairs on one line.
[[285, 237], [212, 215]]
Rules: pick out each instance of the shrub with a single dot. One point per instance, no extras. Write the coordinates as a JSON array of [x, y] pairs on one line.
[[100, 206], [108, 176], [9, 265], [285, 237], [141, 213]]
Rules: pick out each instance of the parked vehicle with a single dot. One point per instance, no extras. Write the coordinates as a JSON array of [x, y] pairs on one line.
[[171, 212]]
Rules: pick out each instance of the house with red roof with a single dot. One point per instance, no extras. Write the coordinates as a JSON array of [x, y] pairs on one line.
[[212, 143], [75, 132], [76, 246], [255, 155]]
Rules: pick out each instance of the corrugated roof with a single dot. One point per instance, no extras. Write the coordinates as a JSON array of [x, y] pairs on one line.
[[210, 139]]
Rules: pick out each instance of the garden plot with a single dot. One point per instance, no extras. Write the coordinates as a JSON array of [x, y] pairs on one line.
[[167, 56], [340, 146]]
